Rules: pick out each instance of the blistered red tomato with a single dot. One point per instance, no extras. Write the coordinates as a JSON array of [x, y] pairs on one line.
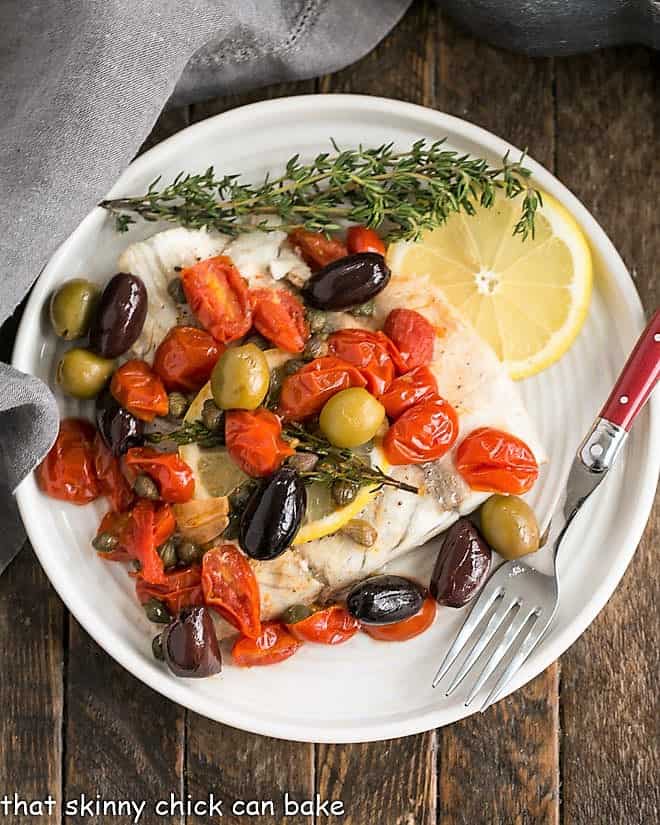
[[254, 441], [139, 390], [364, 239], [280, 317], [185, 358], [305, 392], [496, 461], [423, 433], [231, 588], [413, 336], [275, 644], [331, 626], [173, 477], [68, 471], [407, 390], [179, 589], [316, 249], [372, 353], [406, 629], [112, 482], [219, 297]]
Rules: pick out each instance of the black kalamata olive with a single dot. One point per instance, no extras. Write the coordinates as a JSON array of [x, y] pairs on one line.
[[348, 281], [462, 565], [385, 599], [120, 316], [272, 515], [119, 429], [190, 645]]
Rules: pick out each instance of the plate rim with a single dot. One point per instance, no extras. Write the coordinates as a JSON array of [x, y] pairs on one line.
[[115, 645]]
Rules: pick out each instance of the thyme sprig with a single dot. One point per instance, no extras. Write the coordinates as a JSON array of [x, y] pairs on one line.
[[340, 464], [404, 192]]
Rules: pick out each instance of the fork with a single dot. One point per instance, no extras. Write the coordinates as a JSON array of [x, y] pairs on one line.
[[520, 601]]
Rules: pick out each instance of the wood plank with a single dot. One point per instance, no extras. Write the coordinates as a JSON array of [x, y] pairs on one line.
[[508, 757], [392, 781], [241, 766], [199, 111], [31, 695], [608, 116], [123, 740]]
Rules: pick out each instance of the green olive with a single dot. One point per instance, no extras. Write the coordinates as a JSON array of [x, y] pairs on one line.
[[72, 307], [509, 525], [239, 380], [82, 373], [351, 417]]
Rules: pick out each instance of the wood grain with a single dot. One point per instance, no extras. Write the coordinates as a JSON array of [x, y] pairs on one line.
[[31, 639], [510, 753], [608, 120], [123, 740]]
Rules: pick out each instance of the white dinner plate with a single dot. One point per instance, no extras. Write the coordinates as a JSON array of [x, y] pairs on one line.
[[363, 690]]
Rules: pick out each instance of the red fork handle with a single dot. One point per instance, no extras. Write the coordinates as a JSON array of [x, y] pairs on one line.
[[637, 379]]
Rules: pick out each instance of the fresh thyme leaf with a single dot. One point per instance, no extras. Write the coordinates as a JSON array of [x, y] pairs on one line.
[[192, 432], [404, 192]]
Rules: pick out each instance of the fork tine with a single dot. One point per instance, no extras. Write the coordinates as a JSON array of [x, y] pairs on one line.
[[494, 623], [535, 633], [512, 635], [473, 618]]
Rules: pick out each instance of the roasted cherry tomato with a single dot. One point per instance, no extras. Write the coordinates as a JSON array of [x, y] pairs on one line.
[[407, 390], [111, 480], [364, 239], [423, 433], [68, 471], [185, 359], [413, 336], [408, 628], [230, 587], [139, 390], [316, 250], [275, 644], [305, 392], [371, 352], [331, 626], [280, 317], [496, 462], [115, 524], [219, 297], [254, 441], [179, 589], [172, 475]]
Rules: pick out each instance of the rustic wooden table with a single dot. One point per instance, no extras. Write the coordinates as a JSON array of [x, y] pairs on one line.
[[576, 745]]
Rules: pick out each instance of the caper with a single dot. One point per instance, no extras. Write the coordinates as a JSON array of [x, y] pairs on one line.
[[189, 552], [258, 341], [145, 487], [316, 347], [296, 613], [509, 525], [366, 310], [212, 417], [72, 308], [233, 527], [156, 612], [317, 320], [157, 648], [361, 532], [82, 373], [168, 553], [176, 292], [344, 492], [351, 417], [292, 366], [105, 542], [303, 462], [178, 405], [239, 496], [240, 378]]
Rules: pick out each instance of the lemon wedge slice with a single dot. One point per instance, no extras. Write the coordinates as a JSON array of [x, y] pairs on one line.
[[527, 299], [217, 475]]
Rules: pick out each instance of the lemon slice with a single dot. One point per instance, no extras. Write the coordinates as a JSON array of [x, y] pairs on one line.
[[527, 299], [217, 475]]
